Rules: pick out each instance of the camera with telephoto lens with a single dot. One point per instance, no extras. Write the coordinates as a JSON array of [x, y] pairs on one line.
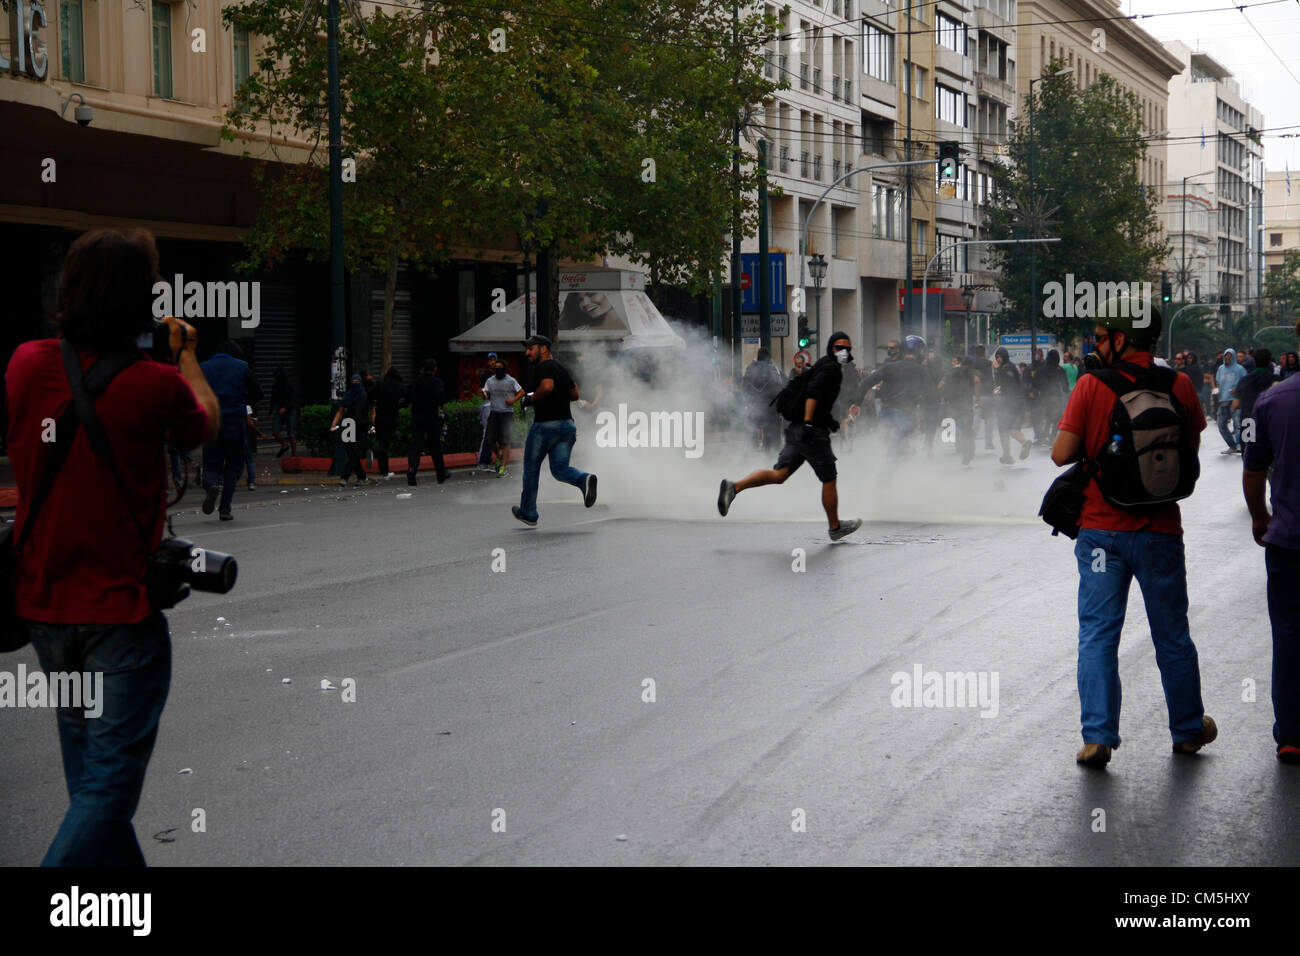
[[178, 565]]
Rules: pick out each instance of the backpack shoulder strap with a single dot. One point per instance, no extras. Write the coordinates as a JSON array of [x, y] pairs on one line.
[[82, 402]]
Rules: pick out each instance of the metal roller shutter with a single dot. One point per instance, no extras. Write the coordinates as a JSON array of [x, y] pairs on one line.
[[402, 351], [275, 342]]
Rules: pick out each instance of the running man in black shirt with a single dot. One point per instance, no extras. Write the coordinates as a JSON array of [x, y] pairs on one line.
[[809, 441], [552, 432]]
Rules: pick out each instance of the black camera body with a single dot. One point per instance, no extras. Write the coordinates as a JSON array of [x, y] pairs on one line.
[[178, 565], [157, 343]]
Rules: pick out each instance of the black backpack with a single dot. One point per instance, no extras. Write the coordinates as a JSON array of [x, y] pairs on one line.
[[1150, 458], [789, 401]]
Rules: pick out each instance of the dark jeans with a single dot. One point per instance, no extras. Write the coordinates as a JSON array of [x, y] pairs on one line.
[[352, 451], [250, 457], [1283, 566], [384, 432], [223, 460], [426, 435], [105, 757]]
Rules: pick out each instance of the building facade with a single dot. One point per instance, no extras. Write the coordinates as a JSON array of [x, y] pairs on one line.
[[1216, 144], [110, 116]]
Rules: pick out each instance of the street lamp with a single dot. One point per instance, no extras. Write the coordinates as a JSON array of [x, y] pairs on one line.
[[1033, 255], [817, 266], [1182, 272]]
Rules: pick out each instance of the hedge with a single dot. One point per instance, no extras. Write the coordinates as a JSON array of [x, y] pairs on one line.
[[464, 430]]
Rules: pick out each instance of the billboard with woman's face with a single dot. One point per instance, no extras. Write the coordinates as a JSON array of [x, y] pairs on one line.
[[592, 311]]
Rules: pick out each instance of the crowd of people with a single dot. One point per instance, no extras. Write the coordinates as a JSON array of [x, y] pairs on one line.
[[912, 396]]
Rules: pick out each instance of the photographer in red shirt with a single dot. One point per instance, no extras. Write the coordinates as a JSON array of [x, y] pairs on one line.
[[80, 580]]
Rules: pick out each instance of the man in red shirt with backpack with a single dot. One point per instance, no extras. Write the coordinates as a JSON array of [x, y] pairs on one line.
[[1140, 427]]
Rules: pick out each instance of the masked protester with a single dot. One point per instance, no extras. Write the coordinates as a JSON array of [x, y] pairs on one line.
[[354, 415], [806, 404]]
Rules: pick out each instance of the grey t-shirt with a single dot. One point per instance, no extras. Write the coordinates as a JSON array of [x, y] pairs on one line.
[[499, 389]]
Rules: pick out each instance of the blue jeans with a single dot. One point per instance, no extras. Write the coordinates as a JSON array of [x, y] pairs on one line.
[[556, 440], [1283, 566], [1231, 437], [105, 757], [899, 425], [1158, 563]]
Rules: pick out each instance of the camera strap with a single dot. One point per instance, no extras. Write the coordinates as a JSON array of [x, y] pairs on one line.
[[65, 430], [87, 387]]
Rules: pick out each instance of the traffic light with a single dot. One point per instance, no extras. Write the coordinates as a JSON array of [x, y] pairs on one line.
[[948, 153], [1166, 288], [805, 337]]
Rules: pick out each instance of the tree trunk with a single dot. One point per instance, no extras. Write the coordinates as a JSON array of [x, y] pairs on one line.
[[390, 295]]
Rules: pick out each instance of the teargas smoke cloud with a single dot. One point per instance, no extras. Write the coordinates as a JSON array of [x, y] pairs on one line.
[[676, 483]]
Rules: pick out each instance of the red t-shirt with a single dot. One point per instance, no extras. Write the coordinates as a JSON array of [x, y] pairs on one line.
[[1088, 414], [85, 560]]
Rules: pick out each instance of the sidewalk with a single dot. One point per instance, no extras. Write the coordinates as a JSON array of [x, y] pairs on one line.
[[284, 471]]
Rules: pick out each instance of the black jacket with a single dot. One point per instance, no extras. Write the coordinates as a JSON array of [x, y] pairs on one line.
[[426, 394], [824, 386], [904, 384]]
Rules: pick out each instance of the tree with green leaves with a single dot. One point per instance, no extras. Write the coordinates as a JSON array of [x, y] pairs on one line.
[[582, 128], [1088, 148], [1282, 288]]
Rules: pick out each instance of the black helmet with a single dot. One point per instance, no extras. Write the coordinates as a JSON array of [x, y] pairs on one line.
[[914, 344]]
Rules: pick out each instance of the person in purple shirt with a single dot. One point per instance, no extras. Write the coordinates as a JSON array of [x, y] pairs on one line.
[[1276, 444]]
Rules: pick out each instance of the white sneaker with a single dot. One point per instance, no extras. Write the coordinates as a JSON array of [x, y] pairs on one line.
[[391, 475]]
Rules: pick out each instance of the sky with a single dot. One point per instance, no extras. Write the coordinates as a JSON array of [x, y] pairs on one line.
[[1225, 33]]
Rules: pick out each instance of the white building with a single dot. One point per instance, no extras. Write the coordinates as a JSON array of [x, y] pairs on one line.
[[1214, 141]]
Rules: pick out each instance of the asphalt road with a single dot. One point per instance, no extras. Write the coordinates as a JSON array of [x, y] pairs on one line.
[[503, 717]]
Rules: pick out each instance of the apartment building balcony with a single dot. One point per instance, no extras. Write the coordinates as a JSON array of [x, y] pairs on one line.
[[986, 19], [986, 84]]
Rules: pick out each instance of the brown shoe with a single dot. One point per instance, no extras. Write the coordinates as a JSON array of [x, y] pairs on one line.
[[1093, 755], [1209, 731]]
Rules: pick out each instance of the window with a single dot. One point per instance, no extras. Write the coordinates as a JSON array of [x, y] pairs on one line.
[[162, 49], [72, 41], [949, 105], [1274, 239], [950, 33], [917, 86], [954, 261], [243, 60], [886, 212], [877, 53], [918, 237]]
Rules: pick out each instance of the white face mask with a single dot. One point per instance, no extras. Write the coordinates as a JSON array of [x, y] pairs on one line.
[[843, 356]]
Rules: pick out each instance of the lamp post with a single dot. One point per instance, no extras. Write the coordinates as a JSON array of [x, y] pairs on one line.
[[1182, 272], [817, 266], [1033, 255], [925, 280], [803, 233]]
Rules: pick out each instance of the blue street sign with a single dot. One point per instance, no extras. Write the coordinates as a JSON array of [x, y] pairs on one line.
[[749, 268]]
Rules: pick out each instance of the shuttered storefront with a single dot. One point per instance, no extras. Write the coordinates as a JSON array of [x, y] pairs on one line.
[[275, 342], [401, 345]]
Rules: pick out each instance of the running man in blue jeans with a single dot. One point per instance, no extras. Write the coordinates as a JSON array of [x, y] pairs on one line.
[[1116, 545], [552, 433]]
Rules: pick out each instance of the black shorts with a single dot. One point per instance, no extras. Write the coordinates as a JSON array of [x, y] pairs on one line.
[[817, 452], [498, 428]]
